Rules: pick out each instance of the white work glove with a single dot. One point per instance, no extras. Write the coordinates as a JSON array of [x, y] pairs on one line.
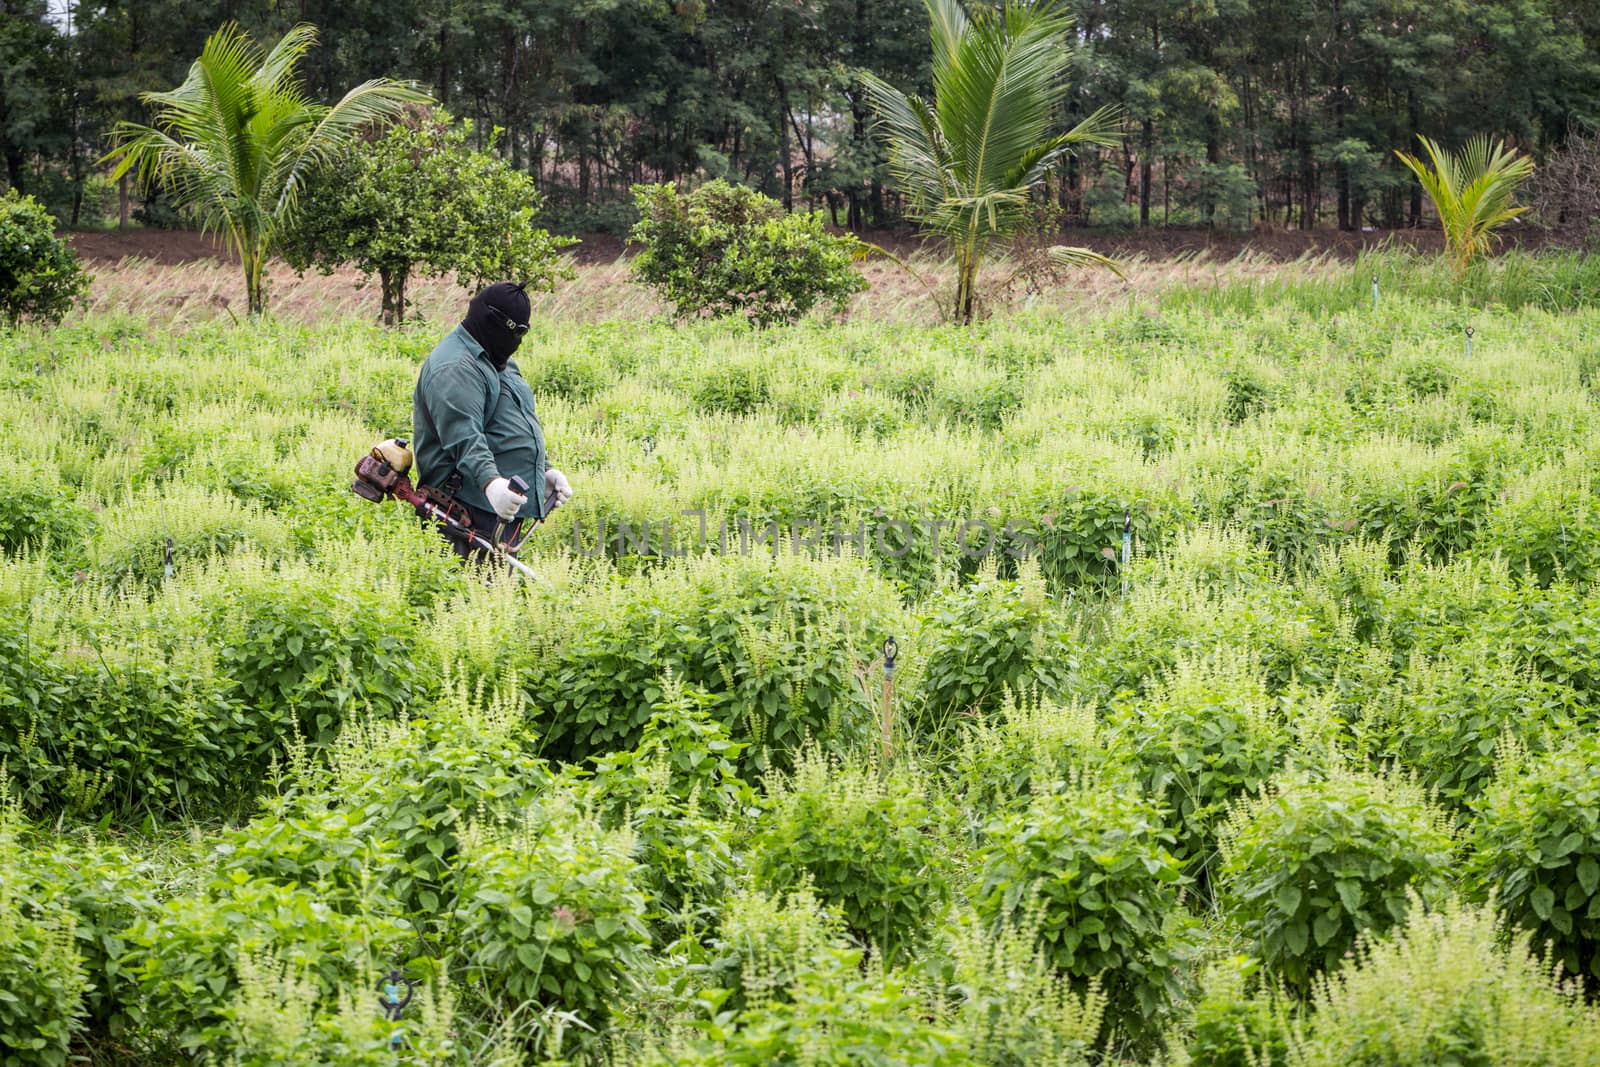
[[557, 490], [504, 501]]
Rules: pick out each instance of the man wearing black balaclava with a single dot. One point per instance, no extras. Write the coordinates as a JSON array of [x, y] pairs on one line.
[[473, 424]]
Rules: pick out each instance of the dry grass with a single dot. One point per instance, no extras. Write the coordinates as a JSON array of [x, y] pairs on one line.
[[207, 289]]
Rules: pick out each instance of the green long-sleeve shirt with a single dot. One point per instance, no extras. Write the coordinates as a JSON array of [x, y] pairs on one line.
[[484, 431]]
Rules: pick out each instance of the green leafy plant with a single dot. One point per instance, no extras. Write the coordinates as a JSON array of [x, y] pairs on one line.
[[1472, 190], [970, 161], [42, 979], [550, 911], [40, 277], [239, 138], [727, 250], [1206, 736], [1310, 864], [1235, 1022], [1094, 859], [986, 638], [862, 840], [1446, 988], [1537, 849], [416, 199]]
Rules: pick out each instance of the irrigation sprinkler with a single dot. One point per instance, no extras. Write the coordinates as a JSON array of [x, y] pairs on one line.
[[891, 652], [393, 1003], [1374, 291], [1127, 546], [1469, 342], [166, 567]]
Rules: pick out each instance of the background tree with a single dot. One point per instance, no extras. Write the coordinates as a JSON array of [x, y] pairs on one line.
[[969, 163], [238, 138], [417, 198]]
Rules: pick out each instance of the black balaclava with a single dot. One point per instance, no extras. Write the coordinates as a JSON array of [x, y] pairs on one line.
[[486, 320]]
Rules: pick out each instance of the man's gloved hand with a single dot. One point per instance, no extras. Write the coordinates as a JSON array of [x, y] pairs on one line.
[[557, 490], [504, 500]]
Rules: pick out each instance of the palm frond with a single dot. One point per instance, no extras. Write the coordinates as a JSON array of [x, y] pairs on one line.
[[1074, 256], [1472, 190]]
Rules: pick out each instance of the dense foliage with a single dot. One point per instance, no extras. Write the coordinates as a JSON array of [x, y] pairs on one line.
[[727, 250], [40, 278], [1285, 112], [1306, 775]]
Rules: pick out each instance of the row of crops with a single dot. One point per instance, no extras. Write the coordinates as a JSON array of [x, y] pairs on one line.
[[1308, 776]]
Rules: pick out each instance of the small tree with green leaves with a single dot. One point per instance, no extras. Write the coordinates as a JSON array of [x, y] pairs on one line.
[[1472, 190], [237, 140], [418, 199], [727, 250], [40, 277]]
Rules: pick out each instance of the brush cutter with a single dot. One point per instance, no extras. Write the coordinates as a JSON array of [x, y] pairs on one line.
[[385, 472]]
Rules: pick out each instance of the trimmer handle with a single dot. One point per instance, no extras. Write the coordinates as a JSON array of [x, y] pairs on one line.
[[519, 483]]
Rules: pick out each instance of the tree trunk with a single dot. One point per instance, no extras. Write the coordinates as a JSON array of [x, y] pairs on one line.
[[393, 284], [1144, 172]]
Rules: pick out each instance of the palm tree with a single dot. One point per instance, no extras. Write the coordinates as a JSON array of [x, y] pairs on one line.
[[1472, 190], [236, 140], [969, 162]]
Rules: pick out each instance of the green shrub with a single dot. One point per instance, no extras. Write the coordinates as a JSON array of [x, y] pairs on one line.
[[1537, 850], [679, 791], [990, 636], [727, 250], [862, 840], [1233, 1025], [1093, 859], [1310, 864], [39, 275], [1448, 720], [37, 510], [774, 642], [1008, 1007], [417, 785], [185, 957], [1207, 735], [840, 1012], [1031, 746], [1446, 990], [42, 979], [106, 891], [550, 911], [733, 389], [312, 652]]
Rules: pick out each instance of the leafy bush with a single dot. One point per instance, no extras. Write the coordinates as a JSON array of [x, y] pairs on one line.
[[550, 911], [727, 250], [42, 978], [105, 891], [1537, 850], [1450, 719], [39, 275], [679, 791], [861, 840], [418, 785], [774, 642], [1206, 736], [1233, 1025], [1031, 746], [990, 636], [1094, 861], [185, 957], [314, 652], [1310, 864], [1445, 989]]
